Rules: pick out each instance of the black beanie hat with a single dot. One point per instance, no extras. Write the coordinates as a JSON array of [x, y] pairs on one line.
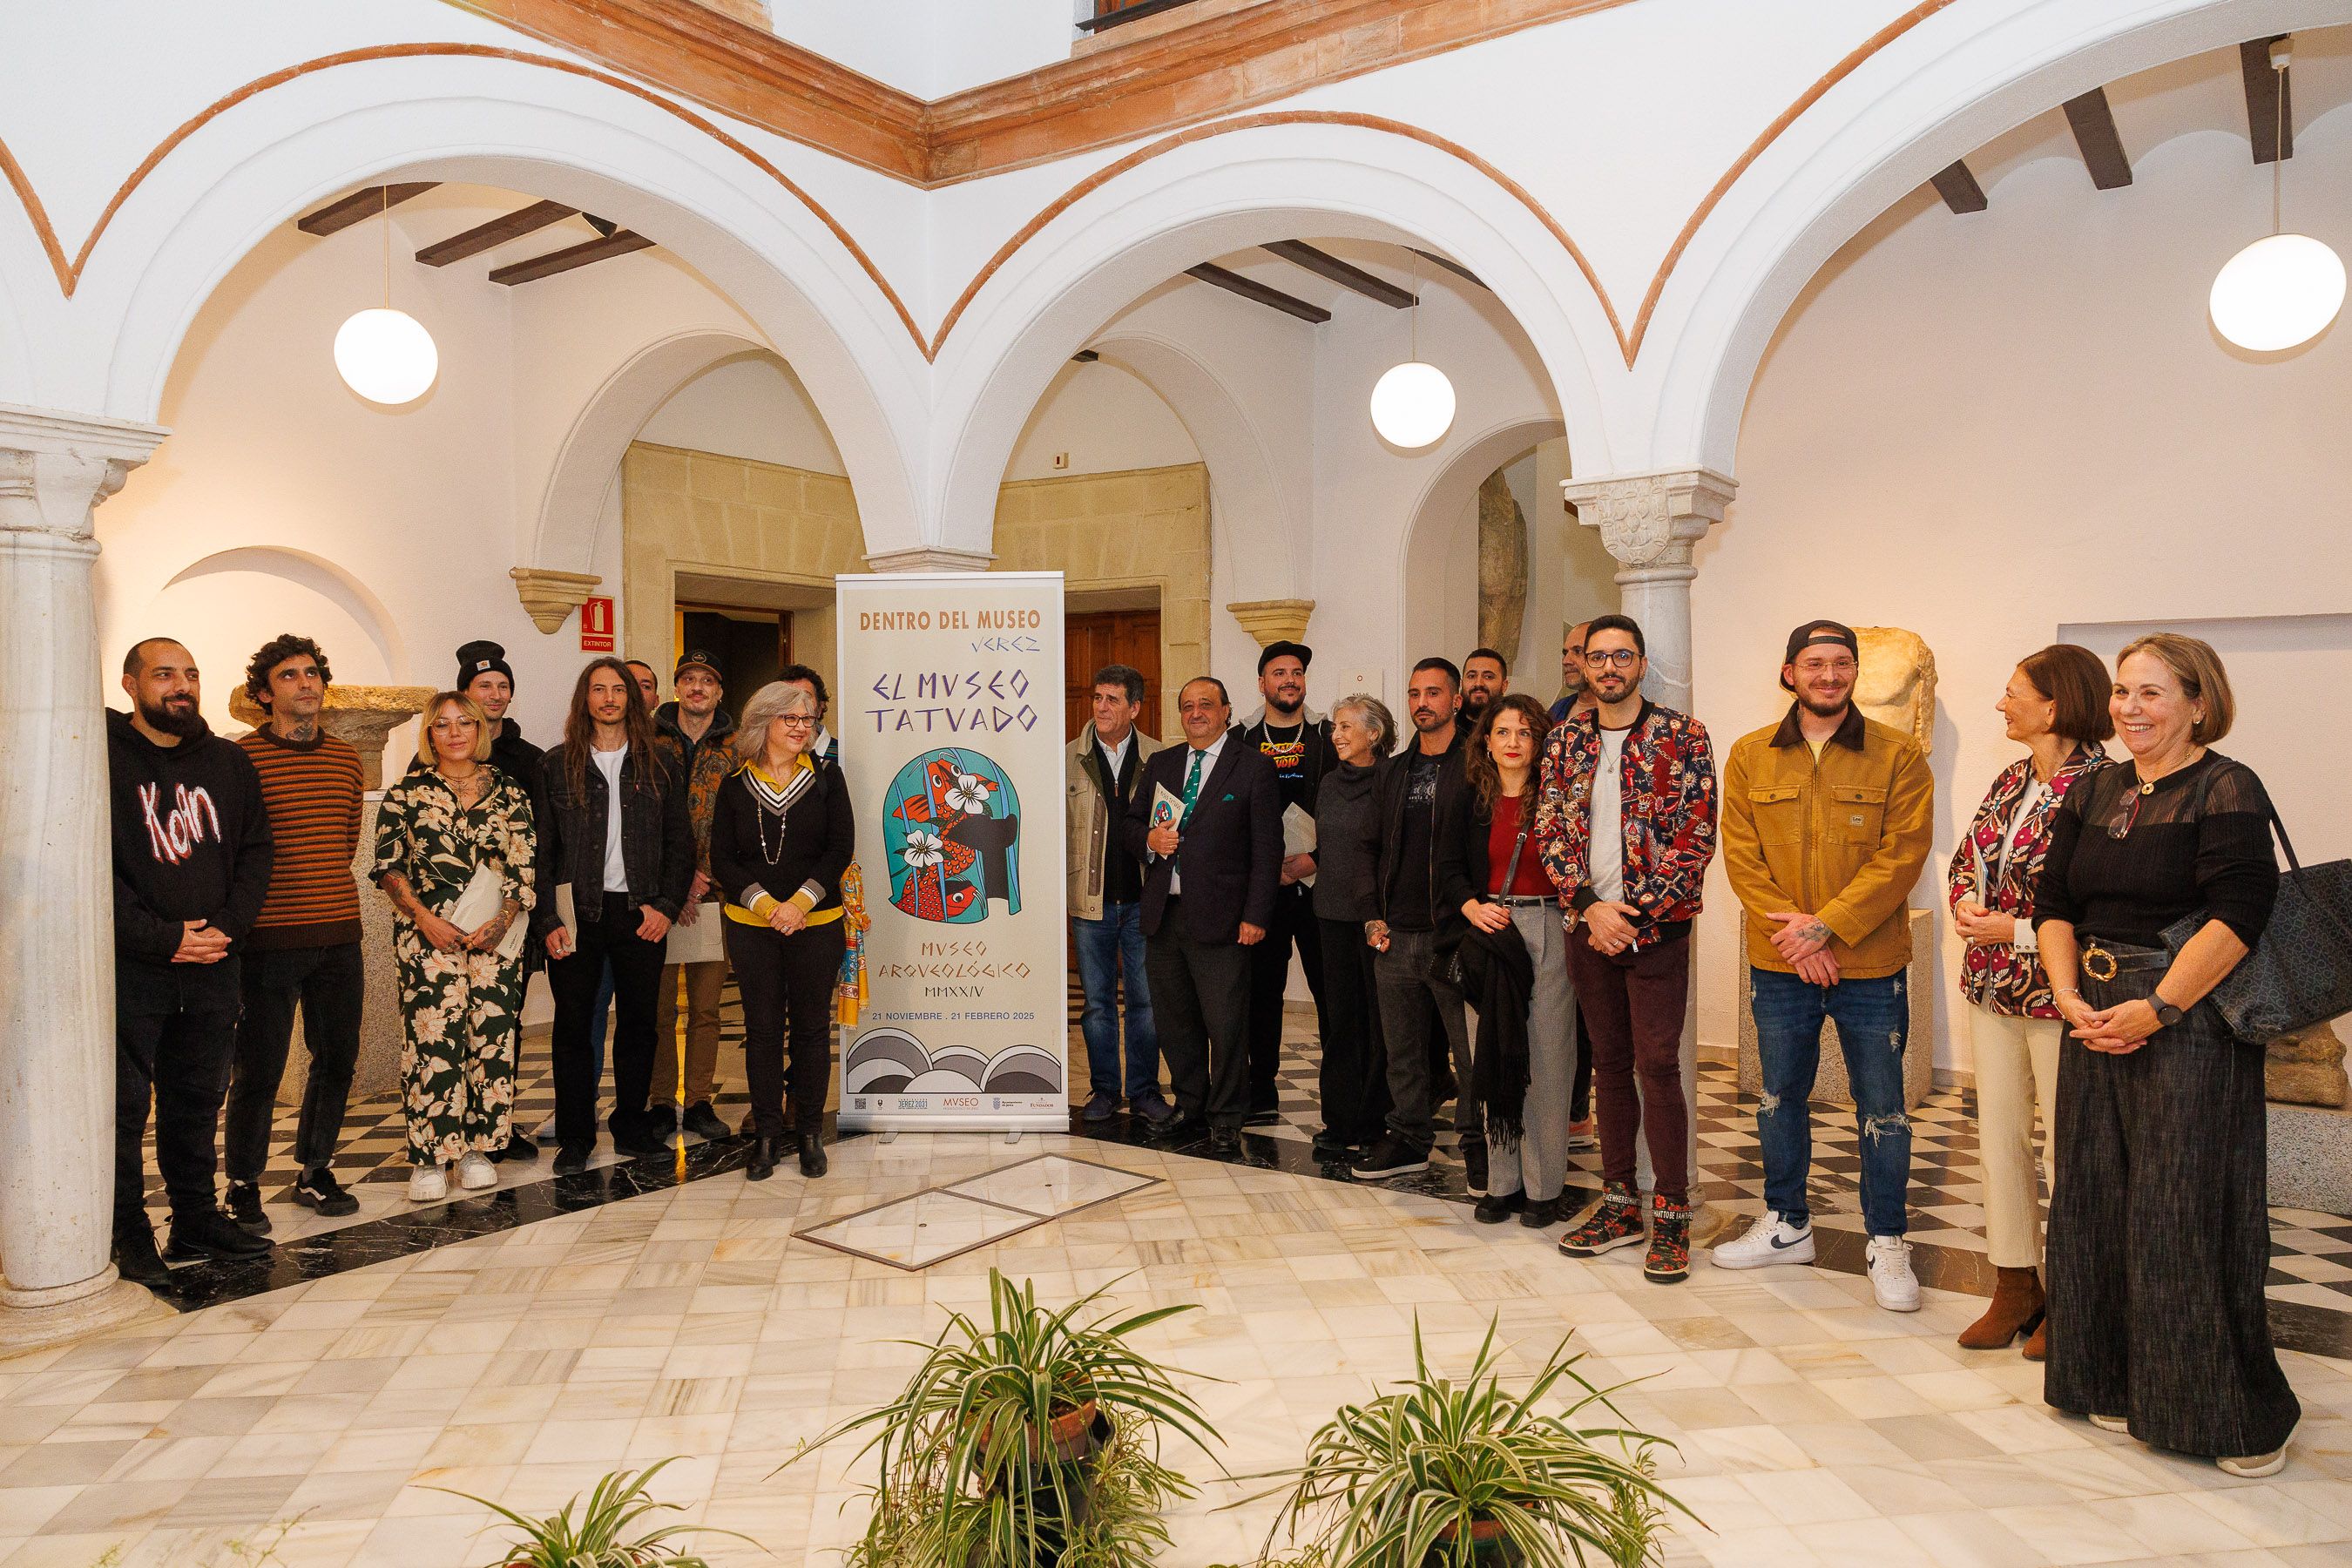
[[480, 658]]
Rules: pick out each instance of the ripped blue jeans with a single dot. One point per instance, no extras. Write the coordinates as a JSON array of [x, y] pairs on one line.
[[1873, 1017]]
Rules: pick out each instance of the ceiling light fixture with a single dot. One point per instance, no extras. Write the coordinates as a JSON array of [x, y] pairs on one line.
[[386, 355], [2283, 290], [1412, 405]]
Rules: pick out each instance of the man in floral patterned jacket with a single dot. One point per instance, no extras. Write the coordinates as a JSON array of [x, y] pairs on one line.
[[1626, 824]]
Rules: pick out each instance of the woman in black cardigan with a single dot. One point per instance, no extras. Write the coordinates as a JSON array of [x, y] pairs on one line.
[[780, 836]]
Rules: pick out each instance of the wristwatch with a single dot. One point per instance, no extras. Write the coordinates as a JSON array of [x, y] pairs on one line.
[[2166, 1014]]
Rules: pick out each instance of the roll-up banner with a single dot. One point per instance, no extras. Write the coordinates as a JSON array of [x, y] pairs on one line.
[[950, 714]]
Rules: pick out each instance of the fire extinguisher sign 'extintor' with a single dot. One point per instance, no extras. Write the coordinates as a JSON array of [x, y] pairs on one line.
[[949, 708], [596, 626]]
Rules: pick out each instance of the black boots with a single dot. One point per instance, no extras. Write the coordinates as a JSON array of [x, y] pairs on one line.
[[209, 1233], [762, 1163], [812, 1162], [135, 1257]]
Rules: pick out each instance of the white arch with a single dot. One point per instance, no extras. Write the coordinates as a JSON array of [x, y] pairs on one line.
[[1448, 491], [550, 133], [321, 576], [1225, 193], [1937, 93], [1254, 522], [24, 276], [588, 465]]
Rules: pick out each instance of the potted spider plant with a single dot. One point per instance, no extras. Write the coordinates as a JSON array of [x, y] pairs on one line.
[[596, 1539], [1029, 1441], [1445, 1474]]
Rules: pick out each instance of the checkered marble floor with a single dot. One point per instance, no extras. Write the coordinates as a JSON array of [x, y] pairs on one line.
[[1813, 1428]]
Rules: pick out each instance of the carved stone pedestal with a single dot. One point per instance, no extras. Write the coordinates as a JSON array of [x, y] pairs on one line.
[[1918, 1053]]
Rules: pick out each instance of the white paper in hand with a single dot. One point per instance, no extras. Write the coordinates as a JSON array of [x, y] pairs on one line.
[[1297, 836], [1166, 807]]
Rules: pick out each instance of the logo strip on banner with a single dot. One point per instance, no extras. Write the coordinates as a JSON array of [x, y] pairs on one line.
[[949, 707]]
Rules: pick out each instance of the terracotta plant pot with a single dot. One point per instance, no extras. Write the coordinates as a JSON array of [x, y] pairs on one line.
[[1073, 1435], [1486, 1544]]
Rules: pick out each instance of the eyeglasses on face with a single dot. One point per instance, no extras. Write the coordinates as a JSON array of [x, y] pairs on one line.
[[1623, 657], [797, 721], [1825, 666]]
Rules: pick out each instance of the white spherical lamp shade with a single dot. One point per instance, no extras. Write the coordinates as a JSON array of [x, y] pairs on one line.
[[386, 356], [2277, 292], [1412, 405]]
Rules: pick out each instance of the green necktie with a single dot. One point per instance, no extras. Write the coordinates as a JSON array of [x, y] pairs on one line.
[[1191, 788]]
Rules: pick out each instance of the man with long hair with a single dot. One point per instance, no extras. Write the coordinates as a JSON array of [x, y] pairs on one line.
[[617, 850]]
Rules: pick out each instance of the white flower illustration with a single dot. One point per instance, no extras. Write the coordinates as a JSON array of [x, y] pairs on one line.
[[970, 792], [923, 850]]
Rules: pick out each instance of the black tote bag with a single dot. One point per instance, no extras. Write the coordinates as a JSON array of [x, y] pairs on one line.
[[2300, 974]]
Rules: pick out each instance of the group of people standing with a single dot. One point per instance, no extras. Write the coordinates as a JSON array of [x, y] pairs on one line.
[[236, 909], [1503, 905]]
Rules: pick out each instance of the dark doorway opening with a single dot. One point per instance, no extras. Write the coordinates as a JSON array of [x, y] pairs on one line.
[[749, 646]]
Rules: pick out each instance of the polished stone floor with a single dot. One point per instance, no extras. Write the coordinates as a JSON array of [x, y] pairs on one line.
[[696, 1318]]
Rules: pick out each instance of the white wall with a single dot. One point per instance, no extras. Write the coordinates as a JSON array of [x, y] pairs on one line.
[[1103, 420], [931, 47], [1985, 428], [750, 408]]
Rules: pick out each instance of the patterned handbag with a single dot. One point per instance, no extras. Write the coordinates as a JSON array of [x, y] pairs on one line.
[[2301, 972]]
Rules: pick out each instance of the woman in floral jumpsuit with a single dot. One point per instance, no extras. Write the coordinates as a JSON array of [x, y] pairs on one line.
[[460, 998]]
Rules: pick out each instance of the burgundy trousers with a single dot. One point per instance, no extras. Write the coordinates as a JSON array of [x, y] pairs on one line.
[[1633, 1004]]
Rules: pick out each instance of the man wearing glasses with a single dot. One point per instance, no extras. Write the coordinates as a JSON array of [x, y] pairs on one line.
[[1625, 824], [1825, 829]]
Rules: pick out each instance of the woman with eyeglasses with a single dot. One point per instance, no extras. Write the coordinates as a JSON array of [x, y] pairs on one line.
[[2056, 705], [781, 835], [2158, 882]]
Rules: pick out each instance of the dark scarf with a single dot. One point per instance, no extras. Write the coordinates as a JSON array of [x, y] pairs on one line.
[[1499, 978]]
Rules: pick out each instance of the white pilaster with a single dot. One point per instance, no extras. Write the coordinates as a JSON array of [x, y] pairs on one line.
[[930, 558], [1651, 522], [57, 943]]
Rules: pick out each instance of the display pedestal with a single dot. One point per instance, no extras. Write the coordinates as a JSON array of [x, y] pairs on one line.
[[1918, 1053]]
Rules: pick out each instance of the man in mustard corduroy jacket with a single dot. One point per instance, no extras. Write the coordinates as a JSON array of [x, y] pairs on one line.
[[1826, 829]]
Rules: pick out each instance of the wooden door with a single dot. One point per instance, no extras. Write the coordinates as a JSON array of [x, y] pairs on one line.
[[1130, 638]]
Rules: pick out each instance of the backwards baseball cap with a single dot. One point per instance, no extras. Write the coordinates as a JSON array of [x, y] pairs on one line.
[[1278, 650], [695, 657], [479, 658], [1817, 634]]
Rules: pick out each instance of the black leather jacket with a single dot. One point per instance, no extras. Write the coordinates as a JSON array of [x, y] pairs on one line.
[[656, 837]]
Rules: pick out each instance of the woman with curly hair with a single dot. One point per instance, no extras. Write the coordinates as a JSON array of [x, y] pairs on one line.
[[455, 845]]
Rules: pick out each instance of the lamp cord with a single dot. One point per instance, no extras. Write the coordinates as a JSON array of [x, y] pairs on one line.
[[2278, 154], [386, 193]]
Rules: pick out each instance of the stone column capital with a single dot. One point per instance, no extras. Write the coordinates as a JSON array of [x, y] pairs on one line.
[[1650, 522], [55, 466], [549, 596], [1272, 620], [930, 558]]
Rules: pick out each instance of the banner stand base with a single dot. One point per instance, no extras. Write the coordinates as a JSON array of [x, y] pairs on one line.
[[890, 1137], [1013, 1135]]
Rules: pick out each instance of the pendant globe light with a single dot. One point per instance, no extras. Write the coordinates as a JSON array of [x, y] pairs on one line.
[[2283, 290], [386, 355], [1412, 405]]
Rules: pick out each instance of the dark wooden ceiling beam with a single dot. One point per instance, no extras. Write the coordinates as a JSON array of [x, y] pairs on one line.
[[345, 211], [1450, 265], [2094, 123], [1258, 293], [2266, 117], [1959, 188], [496, 232], [619, 243], [1323, 264]]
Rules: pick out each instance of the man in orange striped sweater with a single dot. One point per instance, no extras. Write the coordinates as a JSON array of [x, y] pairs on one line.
[[304, 948]]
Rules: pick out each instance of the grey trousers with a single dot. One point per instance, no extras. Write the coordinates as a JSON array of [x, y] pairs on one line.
[[1407, 995], [1537, 1163]]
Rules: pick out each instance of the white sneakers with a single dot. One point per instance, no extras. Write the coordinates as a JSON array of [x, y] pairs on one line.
[[1768, 1241], [475, 1172], [1891, 1279], [427, 1184]]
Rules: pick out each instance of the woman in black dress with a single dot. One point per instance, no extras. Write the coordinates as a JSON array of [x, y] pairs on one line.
[[782, 834], [2159, 1228]]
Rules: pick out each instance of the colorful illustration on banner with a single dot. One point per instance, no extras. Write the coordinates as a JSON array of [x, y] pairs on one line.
[[951, 823], [892, 1061]]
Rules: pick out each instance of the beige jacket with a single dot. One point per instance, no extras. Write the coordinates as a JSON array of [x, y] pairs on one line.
[[1091, 827]]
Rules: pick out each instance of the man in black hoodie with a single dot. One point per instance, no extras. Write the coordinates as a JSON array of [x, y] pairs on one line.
[[1420, 1013], [191, 863]]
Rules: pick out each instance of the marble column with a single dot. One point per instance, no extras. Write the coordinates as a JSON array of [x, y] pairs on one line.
[[1650, 523], [57, 947]]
